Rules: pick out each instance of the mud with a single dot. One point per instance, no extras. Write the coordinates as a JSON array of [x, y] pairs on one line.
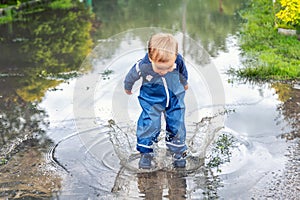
[[27, 175]]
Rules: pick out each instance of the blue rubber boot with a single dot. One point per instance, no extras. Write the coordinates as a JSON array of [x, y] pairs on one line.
[[145, 161], [179, 160]]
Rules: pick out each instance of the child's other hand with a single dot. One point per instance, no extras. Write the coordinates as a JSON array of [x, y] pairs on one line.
[[186, 87], [128, 92]]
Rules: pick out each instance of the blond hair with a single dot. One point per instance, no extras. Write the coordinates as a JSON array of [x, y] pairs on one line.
[[162, 47]]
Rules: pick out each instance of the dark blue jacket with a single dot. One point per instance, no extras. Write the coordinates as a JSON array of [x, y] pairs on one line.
[[143, 68]]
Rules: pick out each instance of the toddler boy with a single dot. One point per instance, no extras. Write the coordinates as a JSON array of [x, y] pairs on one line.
[[163, 88]]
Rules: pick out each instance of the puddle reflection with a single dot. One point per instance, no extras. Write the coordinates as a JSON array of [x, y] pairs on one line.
[[152, 185], [254, 154], [37, 73], [163, 184]]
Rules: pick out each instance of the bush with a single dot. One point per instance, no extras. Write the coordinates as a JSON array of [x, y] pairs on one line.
[[289, 13]]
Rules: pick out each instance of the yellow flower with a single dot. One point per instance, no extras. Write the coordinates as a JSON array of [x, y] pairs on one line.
[[289, 12]]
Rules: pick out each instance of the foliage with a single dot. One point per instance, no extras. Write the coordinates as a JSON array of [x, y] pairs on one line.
[[106, 74], [289, 12], [12, 2], [207, 22], [56, 40], [59, 76], [36, 89], [52, 46], [3, 161], [8, 17], [268, 55], [61, 4], [211, 23], [221, 151]]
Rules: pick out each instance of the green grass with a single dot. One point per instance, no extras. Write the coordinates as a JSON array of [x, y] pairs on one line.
[[7, 18], [269, 55], [66, 4]]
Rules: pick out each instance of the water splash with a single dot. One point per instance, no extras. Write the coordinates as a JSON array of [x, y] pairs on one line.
[[199, 136]]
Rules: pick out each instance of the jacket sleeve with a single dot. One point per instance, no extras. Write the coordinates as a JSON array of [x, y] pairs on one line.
[[132, 76], [182, 70]]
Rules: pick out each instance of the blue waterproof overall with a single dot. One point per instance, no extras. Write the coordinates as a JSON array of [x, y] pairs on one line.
[[160, 94]]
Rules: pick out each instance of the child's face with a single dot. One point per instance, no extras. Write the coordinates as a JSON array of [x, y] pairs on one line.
[[163, 67]]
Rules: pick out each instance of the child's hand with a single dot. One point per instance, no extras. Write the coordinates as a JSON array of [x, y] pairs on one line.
[[186, 87], [128, 92]]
